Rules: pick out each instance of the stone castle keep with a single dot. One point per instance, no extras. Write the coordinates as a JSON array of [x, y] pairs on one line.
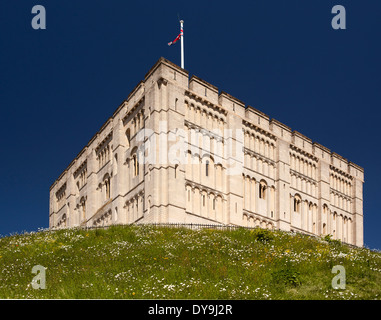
[[178, 150]]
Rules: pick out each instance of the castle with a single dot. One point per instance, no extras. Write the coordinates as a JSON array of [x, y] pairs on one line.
[[178, 150]]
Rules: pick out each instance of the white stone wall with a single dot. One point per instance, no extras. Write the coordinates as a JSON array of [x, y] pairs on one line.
[[177, 150]]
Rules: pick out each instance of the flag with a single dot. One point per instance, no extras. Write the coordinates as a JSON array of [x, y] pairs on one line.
[[174, 41], [177, 38]]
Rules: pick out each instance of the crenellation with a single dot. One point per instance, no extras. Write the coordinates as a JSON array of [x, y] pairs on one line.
[[257, 117], [231, 104], [177, 150], [301, 141], [280, 130], [356, 171], [203, 89], [104, 139], [169, 71], [321, 152]]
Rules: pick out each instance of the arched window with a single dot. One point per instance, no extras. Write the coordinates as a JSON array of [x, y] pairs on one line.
[[63, 219], [136, 165], [83, 207], [115, 164], [106, 181], [297, 202], [207, 168], [128, 137], [262, 190]]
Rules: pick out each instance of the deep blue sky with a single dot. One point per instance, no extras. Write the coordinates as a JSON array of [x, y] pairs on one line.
[[59, 85]]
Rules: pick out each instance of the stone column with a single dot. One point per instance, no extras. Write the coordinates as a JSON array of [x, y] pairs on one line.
[[268, 201], [256, 196], [252, 195]]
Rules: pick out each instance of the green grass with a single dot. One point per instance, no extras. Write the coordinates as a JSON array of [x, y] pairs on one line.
[[145, 262]]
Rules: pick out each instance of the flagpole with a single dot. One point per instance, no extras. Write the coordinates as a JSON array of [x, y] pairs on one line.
[[182, 44]]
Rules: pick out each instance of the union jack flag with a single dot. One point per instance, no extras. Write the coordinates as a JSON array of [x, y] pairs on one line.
[[177, 38]]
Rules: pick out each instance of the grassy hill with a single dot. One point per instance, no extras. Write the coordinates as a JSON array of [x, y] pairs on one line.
[[146, 262]]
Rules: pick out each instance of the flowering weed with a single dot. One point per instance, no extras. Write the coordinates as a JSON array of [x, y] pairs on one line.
[[146, 262]]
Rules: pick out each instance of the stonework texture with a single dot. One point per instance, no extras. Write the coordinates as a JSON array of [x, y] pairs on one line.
[[179, 151]]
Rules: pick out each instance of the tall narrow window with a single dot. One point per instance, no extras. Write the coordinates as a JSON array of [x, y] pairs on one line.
[[107, 185], [176, 170], [188, 195], [83, 203], [128, 136], [136, 166], [262, 191], [297, 202], [203, 200], [207, 168], [214, 204]]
